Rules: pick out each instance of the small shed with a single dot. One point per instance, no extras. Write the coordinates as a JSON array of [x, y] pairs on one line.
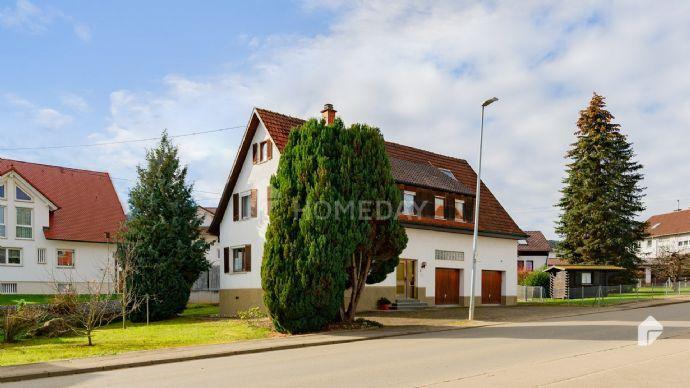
[[575, 281]]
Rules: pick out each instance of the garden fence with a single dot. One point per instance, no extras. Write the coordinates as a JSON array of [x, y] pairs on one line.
[[531, 293]]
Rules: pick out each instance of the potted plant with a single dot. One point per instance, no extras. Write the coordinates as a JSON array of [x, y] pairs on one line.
[[383, 303]]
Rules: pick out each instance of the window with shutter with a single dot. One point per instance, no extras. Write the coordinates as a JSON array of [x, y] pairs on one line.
[[255, 153], [459, 210], [439, 207], [226, 260], [253, 199], [247, 258], [269, 154], [235, 207]]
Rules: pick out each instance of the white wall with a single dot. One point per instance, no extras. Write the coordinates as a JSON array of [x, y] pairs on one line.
[[252, 230], [32, 277], [494, 253], [653, 247]]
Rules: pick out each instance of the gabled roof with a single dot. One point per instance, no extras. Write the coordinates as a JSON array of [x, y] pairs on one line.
[[86, 201], [536, 242], [493, 217], [425, 175], [677, 222]]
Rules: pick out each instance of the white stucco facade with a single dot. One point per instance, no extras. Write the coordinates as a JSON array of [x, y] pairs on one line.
[[238, 288], [38, 271], [658, 246]]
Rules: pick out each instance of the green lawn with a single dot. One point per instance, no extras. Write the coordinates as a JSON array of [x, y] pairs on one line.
[[195, 327], [32, 299], [645, 293]]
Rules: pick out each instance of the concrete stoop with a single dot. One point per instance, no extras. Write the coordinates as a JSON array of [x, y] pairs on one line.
[[409, 305]]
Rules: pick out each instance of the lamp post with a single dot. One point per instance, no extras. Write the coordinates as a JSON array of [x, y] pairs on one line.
[[476, 210]]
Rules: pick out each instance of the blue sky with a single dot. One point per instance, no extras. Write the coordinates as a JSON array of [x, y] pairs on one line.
[[75, 72]]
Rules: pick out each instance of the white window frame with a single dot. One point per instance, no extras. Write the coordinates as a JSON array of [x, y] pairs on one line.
[[443, 206], [18, 225], [582, 278], [7, 257], [248, 195], [3, 221], [232, 256], [16, 198], [405, 194], [57, 258]]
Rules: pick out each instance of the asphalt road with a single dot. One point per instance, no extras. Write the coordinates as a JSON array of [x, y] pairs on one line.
[[591, 350]]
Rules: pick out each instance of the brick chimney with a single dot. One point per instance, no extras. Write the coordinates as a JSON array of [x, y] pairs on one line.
[[328, 113]]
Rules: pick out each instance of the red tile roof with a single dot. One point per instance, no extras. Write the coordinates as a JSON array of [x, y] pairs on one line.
[[493, 217], [677, 222], [536, 242], [88, 205]]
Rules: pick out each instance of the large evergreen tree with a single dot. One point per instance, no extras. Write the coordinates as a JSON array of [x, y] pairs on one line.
[[303, 273], [375, 230], [164, 226], [601, 194]]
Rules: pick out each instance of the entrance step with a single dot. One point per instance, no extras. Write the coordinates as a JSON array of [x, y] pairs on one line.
[[409, 305]]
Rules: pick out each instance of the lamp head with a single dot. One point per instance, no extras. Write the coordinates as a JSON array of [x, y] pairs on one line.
[[489, 101]]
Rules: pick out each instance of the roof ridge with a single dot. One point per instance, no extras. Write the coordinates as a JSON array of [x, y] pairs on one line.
[[56, 166], [426, 152], [278, 113], [669, 213]]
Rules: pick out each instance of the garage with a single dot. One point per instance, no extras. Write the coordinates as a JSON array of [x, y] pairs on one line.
[[447, 286], [491, 287]]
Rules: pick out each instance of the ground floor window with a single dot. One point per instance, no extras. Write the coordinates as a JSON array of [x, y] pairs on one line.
[[529, 265], [586, 278], [65, 258], [10, 256], [521, 265], [238, 259]]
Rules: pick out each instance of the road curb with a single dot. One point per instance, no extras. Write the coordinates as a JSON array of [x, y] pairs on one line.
[[38, 374]]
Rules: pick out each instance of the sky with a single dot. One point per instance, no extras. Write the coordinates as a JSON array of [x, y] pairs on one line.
[[81, 73]]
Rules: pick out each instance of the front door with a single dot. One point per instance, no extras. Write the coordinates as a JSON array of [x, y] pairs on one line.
[[447, 286], [491, 287], [406, 279]]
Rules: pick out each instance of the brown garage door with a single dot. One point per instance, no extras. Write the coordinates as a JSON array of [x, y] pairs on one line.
[[491, 287], [447, 286]]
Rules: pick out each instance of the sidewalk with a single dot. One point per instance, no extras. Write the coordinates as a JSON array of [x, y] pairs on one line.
[[402, 326]]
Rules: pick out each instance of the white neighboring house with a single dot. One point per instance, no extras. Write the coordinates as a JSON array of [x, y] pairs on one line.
[[533, 252], [56, 227], [435, 266], [669, 232], [206, 287]]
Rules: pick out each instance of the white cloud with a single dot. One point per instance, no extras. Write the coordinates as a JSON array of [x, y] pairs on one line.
[[26, 16], [51, 118], [43, 116], [421, 71], [74, 102]]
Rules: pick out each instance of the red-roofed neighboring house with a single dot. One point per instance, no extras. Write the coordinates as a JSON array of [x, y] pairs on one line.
[[439, 197], [533, 252], [667, 233], [56, 226]]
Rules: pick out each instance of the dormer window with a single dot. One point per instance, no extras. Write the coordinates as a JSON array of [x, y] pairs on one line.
[[21, 195], [448, 173], [439, 206]]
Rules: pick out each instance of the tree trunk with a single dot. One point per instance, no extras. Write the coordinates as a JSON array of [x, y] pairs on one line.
[[361, 269]]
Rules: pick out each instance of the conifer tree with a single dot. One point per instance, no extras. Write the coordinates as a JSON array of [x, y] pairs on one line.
[[169, 251], [303, 271], [601, 197]]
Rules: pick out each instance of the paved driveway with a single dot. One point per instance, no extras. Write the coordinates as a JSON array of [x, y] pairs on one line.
[[589, 350]]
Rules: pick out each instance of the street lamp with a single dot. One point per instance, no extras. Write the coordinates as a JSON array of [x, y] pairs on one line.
[[476, 210]]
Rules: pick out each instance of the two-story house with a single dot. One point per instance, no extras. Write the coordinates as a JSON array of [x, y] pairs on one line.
[[533, 252], [434, 268], [667, 233], [56, 227]]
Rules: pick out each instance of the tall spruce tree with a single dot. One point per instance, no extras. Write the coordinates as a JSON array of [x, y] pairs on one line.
[[601, 194], [165, 230], [303, 271], [374, 229]]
